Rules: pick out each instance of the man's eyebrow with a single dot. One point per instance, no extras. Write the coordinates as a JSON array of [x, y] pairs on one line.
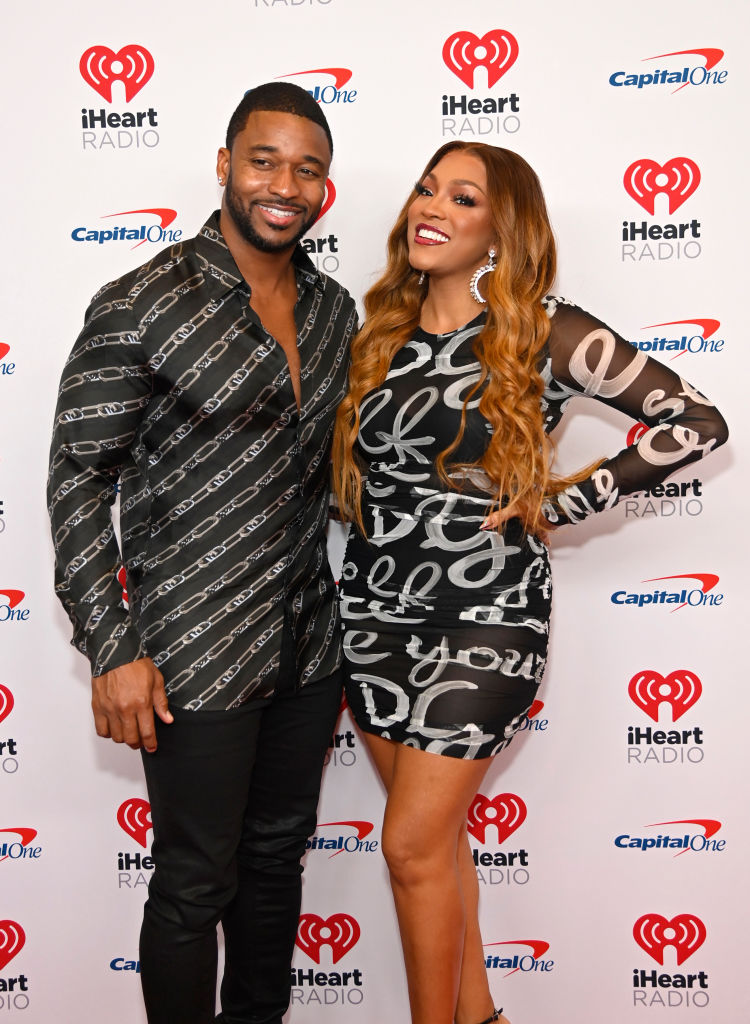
[[307, 159]]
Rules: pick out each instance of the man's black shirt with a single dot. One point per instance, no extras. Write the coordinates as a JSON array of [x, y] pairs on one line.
[[176, 390]]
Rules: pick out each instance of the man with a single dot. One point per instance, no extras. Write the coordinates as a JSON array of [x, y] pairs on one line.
[[206, 382]]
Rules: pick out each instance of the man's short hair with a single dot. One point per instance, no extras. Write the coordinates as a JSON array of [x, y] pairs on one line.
[[286, 97]]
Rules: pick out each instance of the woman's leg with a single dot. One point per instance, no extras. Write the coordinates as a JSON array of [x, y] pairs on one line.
[[425, 845]]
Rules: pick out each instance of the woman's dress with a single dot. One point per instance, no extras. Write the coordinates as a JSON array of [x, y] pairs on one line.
[[446, 625]]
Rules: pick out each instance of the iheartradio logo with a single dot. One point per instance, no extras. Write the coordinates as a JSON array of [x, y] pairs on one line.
[[339, 931], [685, 933], [101, 67], [648, 690], [330, 199], [12, 939], [134, 818], [6, 702], [496, 51], [506, 812], [677, 179]]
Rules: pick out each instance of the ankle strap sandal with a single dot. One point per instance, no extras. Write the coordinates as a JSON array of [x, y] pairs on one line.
[[493, 1017]]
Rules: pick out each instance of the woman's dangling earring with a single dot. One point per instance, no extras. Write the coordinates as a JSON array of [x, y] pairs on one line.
[[474, 283], [421, 278]]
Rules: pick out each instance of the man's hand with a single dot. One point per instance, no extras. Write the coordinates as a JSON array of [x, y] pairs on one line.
[[124, 700]]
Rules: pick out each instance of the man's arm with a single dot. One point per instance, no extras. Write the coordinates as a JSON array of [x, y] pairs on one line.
[[104, 390]]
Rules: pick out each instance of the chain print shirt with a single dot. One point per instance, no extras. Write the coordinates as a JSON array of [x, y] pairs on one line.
[[177, 396]]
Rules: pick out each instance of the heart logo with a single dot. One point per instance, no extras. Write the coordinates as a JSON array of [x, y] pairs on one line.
[[134, 817], [680, 689], [677, 179], [654, 933], [4, 349], [6, 702], [506, 812], [329, 200], [12, 939], [340, 931], [496, 51], [636, 432], [133, 65], [122, 579]]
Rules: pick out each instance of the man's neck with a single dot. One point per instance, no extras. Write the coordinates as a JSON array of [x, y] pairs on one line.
[[265, 272]]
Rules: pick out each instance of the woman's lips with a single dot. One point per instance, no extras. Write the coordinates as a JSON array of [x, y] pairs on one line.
[[427, 235]]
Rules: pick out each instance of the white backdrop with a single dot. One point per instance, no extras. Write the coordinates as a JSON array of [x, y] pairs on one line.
[[587, 913]]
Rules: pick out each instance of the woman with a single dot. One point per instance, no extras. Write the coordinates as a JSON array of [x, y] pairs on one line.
[[446, 582]]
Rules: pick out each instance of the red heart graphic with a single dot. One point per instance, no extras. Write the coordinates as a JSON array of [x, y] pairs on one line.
[[12, 939], [328, 201], [636, 432], [133, 65], [134, 817], [4, 349], [506, 812], [122, 579], [340, 931], [681, 177], [683, 688], [496, 50], [6, 702], [654, 933]]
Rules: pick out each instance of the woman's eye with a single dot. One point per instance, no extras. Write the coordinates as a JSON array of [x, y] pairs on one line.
[[464, 200], [421, 190]]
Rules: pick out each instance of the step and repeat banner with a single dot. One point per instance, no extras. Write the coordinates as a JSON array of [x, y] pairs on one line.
[[609, 839]]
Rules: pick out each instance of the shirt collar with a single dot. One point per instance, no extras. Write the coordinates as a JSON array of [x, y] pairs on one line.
[[220, 268]]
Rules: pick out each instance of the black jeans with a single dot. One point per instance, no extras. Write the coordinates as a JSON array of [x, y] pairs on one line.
[[233, 800]]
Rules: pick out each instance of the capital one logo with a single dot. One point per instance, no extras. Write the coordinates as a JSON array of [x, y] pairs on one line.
[[9, 611], [708, 327], [101, 67], [25, 837], [677, 179], [648, 690], [134, 818], [6, 702], [685, 933], [4, 349], [526, 962], [506, 812], [339, 931], [496, 51], [12, 939]]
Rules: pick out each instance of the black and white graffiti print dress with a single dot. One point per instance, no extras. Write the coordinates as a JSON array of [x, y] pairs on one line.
[[446, 625]]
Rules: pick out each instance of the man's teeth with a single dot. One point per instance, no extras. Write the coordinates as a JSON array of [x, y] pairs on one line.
[[435, 236], [279, 213]]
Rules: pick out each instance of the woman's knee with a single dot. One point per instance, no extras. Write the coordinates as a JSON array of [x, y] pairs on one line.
[[415, 855]]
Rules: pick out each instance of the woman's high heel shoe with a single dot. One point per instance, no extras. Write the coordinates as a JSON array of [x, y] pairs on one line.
[[495, 1016]]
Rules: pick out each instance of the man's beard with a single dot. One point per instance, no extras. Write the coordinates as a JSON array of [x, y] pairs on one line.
[[243, 223]]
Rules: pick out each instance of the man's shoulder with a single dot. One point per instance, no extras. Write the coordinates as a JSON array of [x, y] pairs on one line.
[[176, 258], [337, 293]]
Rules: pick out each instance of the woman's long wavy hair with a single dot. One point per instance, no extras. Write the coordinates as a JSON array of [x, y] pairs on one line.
[[518, 458]]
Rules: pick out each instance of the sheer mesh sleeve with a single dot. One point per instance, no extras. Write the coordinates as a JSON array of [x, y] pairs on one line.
[[588, 358]]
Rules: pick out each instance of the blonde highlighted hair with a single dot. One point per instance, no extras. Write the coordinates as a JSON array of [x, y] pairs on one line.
[[518, 458]]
